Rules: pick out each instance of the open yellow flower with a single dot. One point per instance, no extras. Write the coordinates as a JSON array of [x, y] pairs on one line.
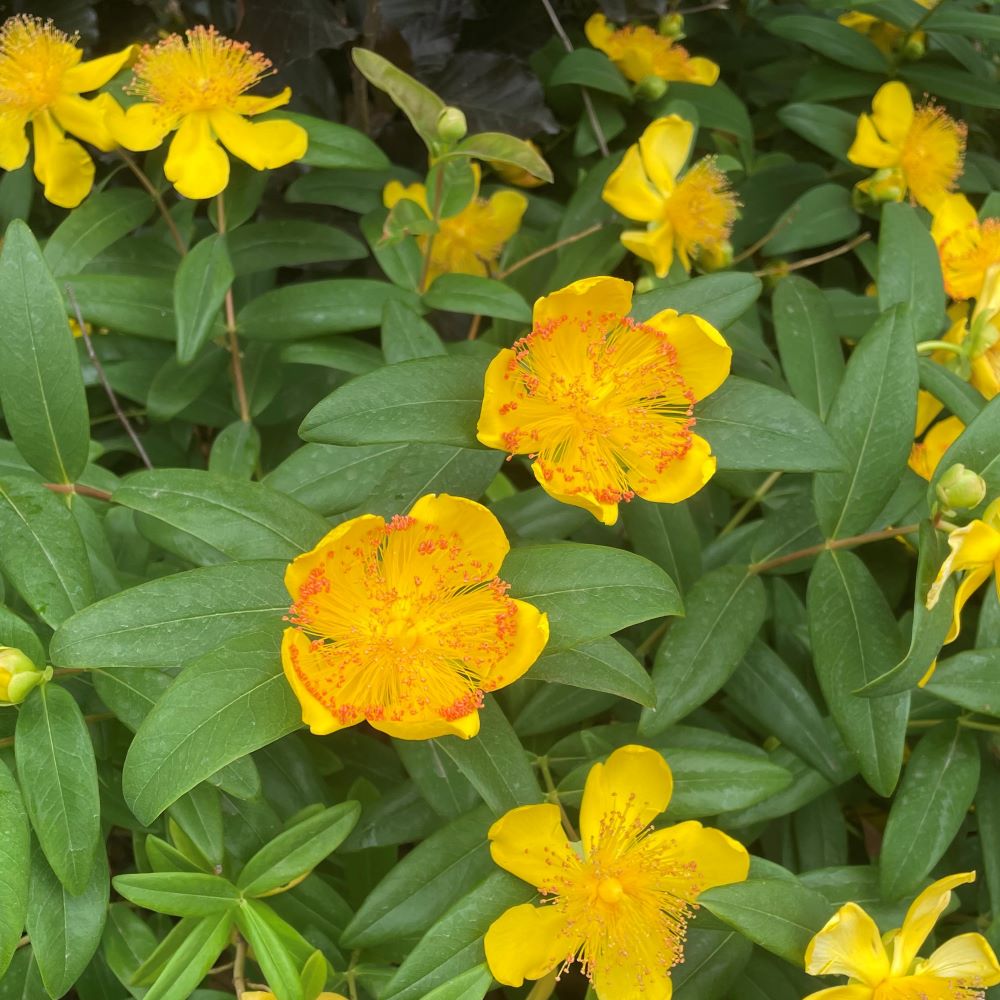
[[684, 214], [919, 150], [850, 945], [925, 455], [605, 405], [405, 624], [469, 242], [966, 246], [639, 51], [196, 86], [975, 552], [620, 900], [41, 80]]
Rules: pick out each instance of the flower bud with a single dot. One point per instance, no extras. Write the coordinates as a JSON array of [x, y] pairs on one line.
[[18, 676], [14, 661], [887, 184], [644, 284], [914, 47], [716, 257], [961, 488], [651, 88], [451, 125], [671, 25]]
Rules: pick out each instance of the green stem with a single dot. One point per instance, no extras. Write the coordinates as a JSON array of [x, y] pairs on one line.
[[930, 346], [553, 796], [748, 505], [834, 543]]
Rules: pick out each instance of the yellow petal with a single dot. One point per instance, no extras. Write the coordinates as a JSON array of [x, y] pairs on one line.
[[529, 842], [196, 165], [717, 858], [526, 942], [703, 356], [140, 127], [61, 164], [529, 641], [504, 211], [473, 524], [869, 149], [892, 112], [986, 376], [953, 214], [95, 73], [968, 957], [586, 299], [844, 993], [606, 513], [702, 71], [498, 414], [86, 119], [655, 245], [635, 783], [936, 442], [849, 945], [928, 407], [394, 191], [598, 31], [14, 144], [264, 145], [976, 549], [431, 728], [921, 918], [681, 478], [297, 661], [630, 192], [251, 105], [346, 534], [971, 582], [665, 146], [622, 980]]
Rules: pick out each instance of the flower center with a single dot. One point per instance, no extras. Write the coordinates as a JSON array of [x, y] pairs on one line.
[[34, 56], [702, 209], [932, 153], [610, 890]]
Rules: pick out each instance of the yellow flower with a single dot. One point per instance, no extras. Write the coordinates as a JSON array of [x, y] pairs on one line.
[[197, 87], [975, 549], [619, 901], [261, 995], [683, 214], [919, 150], [982, 325], [967, 247], [925, 455], [639, 51], [469, 242], [406, 623], [605, 404], [41, 80], [850, 945], [884, 35]]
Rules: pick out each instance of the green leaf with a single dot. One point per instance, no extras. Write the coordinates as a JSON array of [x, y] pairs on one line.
[[58, 776], [831, 129], [298, 849], [175, 386], [65, 929], [406, 336], [752, 426], [725, 609], [808, 344], [721, 299], [200, 285], [970, 679], [603, 665], [400, 259], [43, 554], [264, 246], [956, 394], [316, 308], [195, 826], [780, 914], [963, 22], [183, 894], [125, 303], [15, 632], [589, 591], [442, 785], [855, 640], [127, 941], [821, 216], [431, 400], [471, 985], [592, 69], [951, 84], [709, 782], [494, 762], [978, 449], [255, 920], [41, 386], [988, 823], [872, 420], [224, 705], [174, 619], [103, 219], [235, 451], [242, 520], [498, 147], [833, 40], [473, 295], [665, 534], [712, 961], [934, 797], [196, 951], [909, 271], [336, 146], [14, 864]]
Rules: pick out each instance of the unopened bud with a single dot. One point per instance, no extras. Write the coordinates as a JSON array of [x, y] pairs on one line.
[[887, 184], [776, 270], [914, 47], [14, 661], [18, 675], [451, 125], [716, 257], [644, 284], [961, 488], [651, 88], [671, 25]]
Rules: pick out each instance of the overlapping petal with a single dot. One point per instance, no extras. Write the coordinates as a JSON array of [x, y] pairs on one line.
[[584, 301], [527, 942], [849, 945], [196, 164]]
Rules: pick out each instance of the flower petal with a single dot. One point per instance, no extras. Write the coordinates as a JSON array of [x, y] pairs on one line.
[[928, 407], [430, 728], [297, 657], [634, 783], [598, 31], [501, 217], [264, 145], [976, 549], [630, 192], [849, 945], [892, 112], [529, 842], [717, 858], [843, 993], [665, 146], [626, 980], [395, 191], [529, 641], [473, 524], [702, 71], [353, 532], [583, 300], [61, 164], [921, 918], [140, 127], [703, 356], [869, 149], [196, 164], [953, 214], [14, 143], [967, 957], [680, 479], [249, 104], [655, 245], [95, 73], [86, 119], [924, 457], [500, 399], [526, 942], [606, 513]]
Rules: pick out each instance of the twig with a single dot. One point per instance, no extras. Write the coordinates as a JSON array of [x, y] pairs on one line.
[[79, 489], [425, 270], [553, 797], [652, 639], [231, 334], [769, 235], [474, 327], [102, 375], [833, 543], [602, 143], [158, 198], [558, 245], [818, 259], [748, 505], [239, 967]]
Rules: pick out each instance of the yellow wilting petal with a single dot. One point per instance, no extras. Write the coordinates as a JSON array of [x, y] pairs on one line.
[[95, 73], [61, 164], [869, 149], [967, 958], [924, 457], [264, 145], [196, 164], [849, 945], [975, 549], [665, 146], [529, 842], [655, 245], [395, 192], [86, 119], [14, 144], [527, 942]]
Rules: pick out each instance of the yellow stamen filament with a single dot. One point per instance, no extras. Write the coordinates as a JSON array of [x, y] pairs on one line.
[[702, 208], [34, 56], [932, 152]]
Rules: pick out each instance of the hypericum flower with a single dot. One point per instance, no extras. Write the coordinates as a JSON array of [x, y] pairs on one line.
[[41, 80], [975, 551], [407, 623], [197, 86], [917, 150], [925, 455], [471, 241], [18, 676], [851, 945], [967, 247], [620, 900], [683, 214], [604, 404], [885, 35], [262, 995], [639, 51]]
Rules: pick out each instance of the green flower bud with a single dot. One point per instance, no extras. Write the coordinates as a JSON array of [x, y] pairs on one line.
[[717, 257], [652, 88], [451, 125], [671, 25], [961, 488], [644, 284], [18, 675], [14, 661], [914, 47]]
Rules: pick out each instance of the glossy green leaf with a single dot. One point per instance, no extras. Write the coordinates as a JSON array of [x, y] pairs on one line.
[[336, 146], [125, 303], [498, 147], [978, 449], [183, 894], [257, 922], [592, 69], [721, 299], [712, 961], [235, 451], [406, 336], [831, 129], [821, 216], [196, 952], [201, 283], [970, 679], [263, 246], [14, 866], [474, 295], [603, 665]]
